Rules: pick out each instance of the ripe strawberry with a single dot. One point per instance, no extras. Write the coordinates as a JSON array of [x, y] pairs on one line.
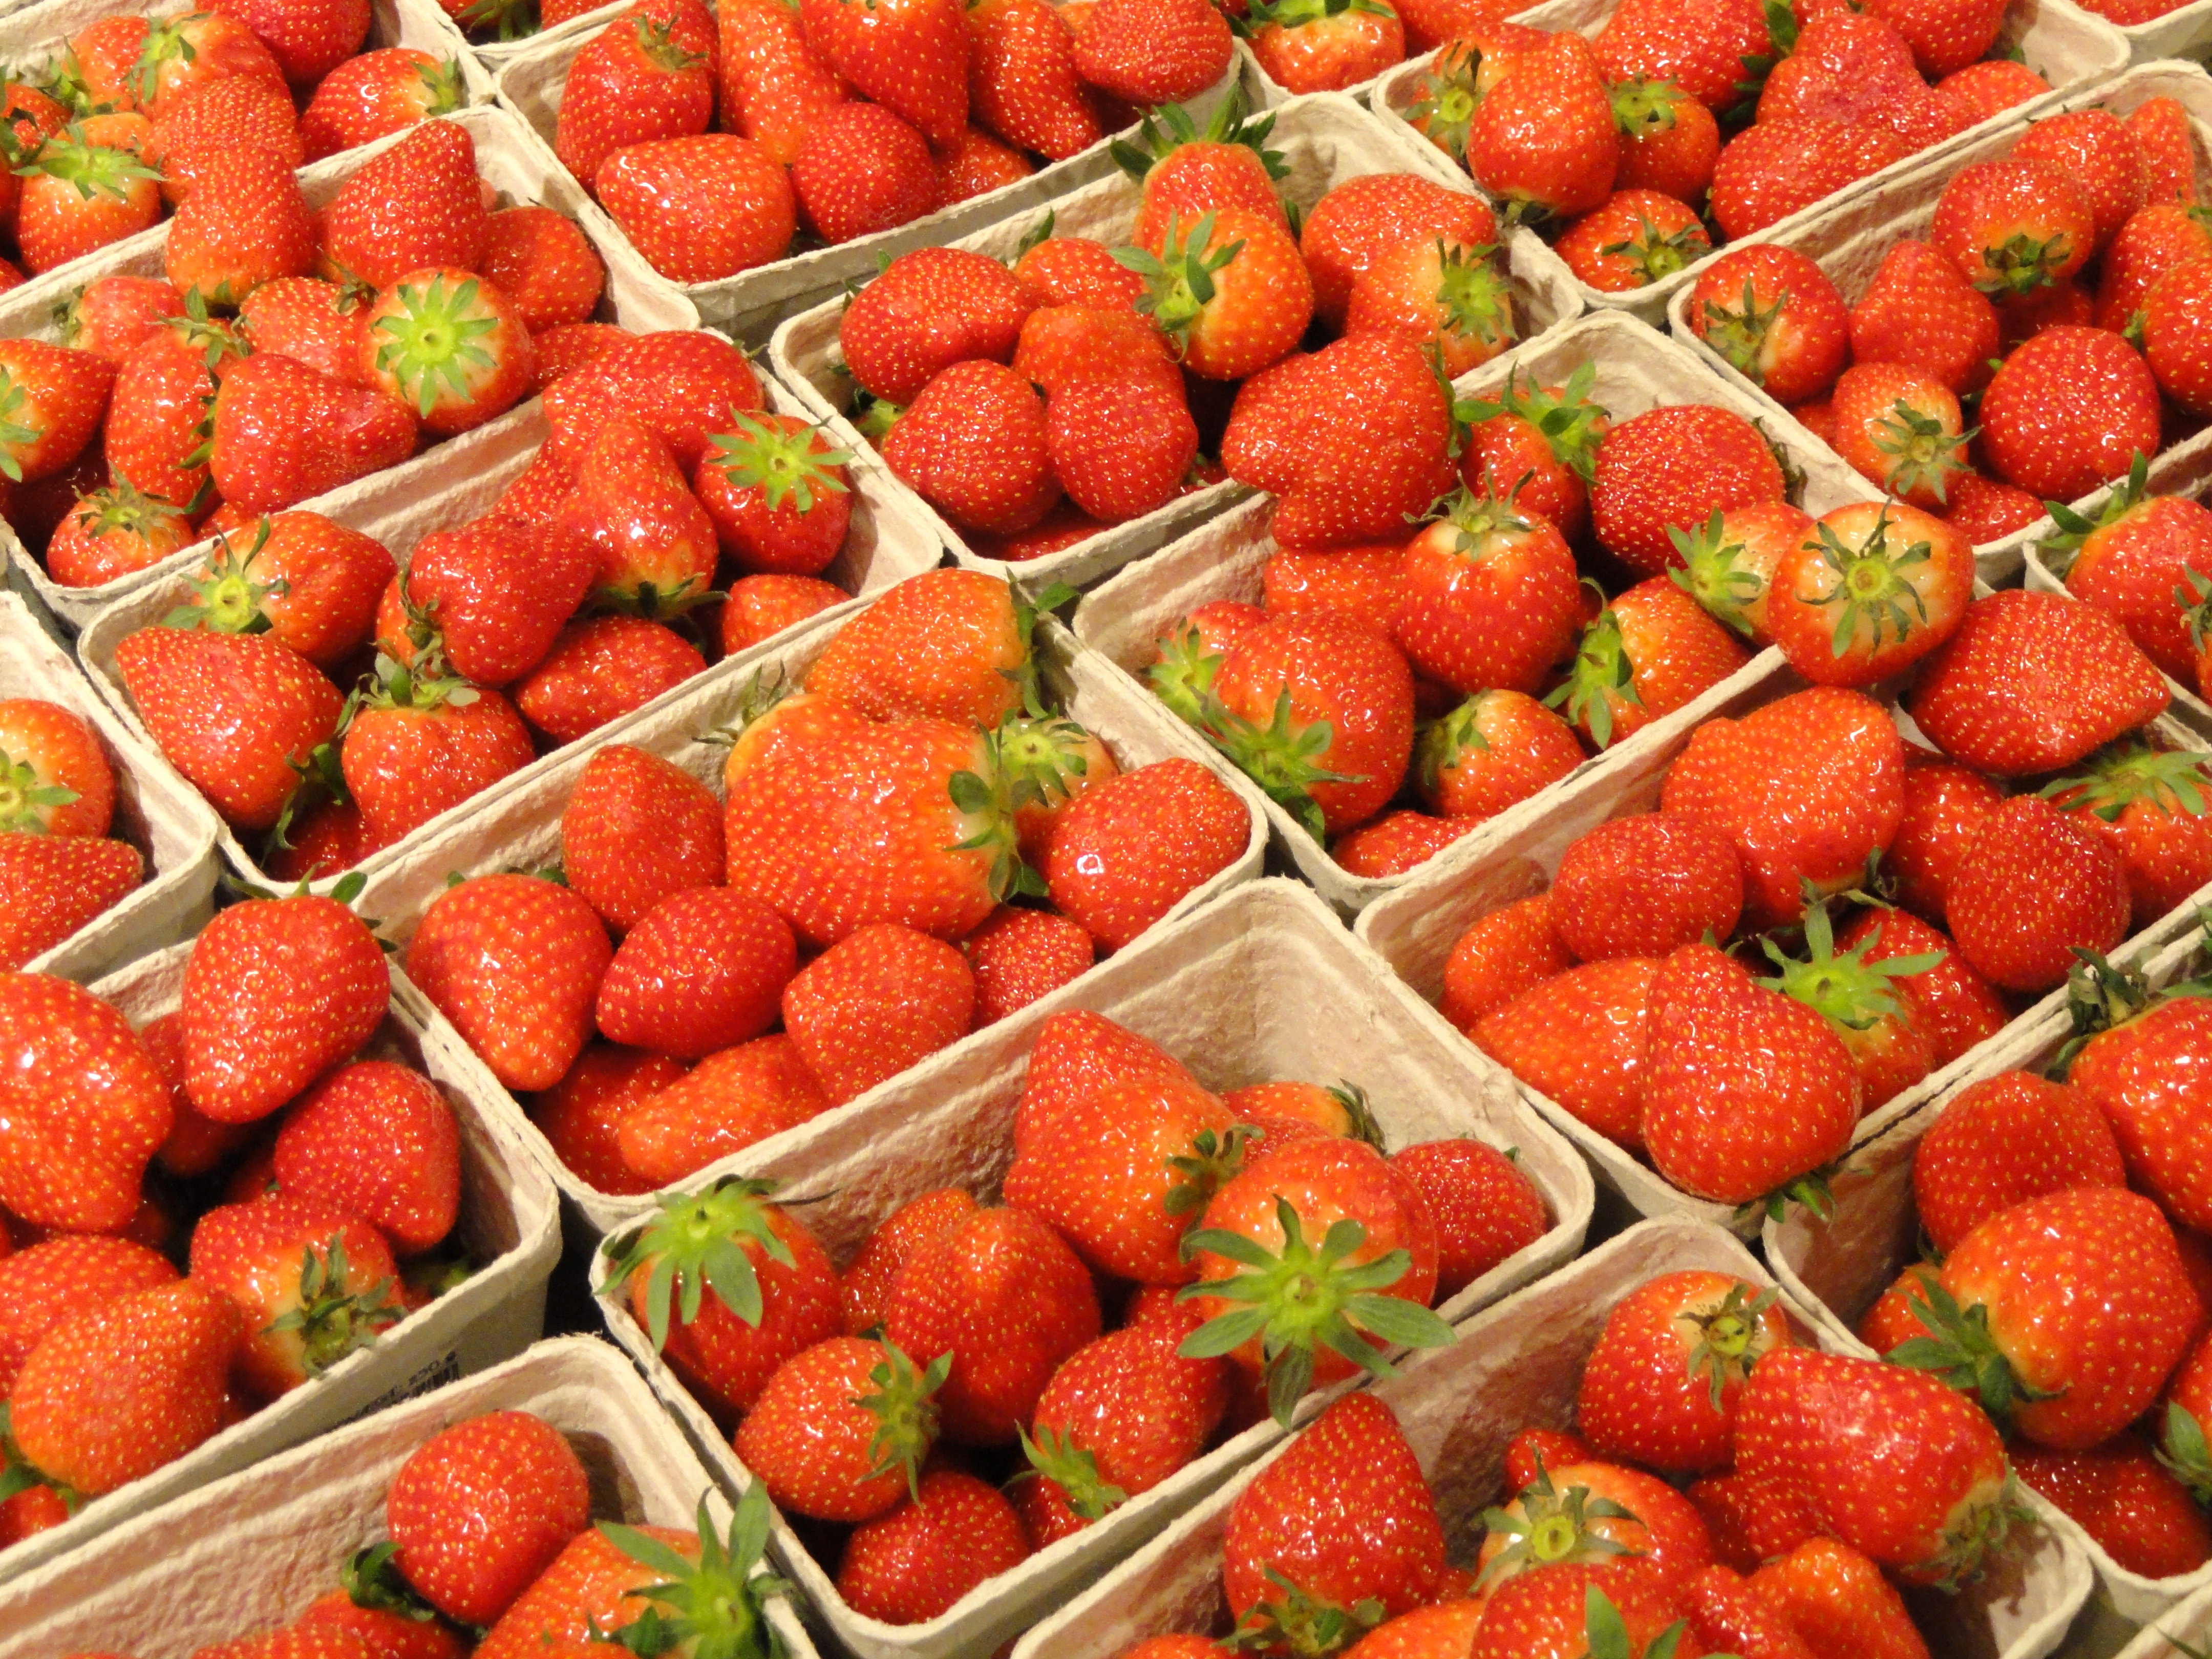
[[1342, 1518], [309, 320], [729, 1100], [2134, 1075], [51, 886], [41, 1285], [1808, 786], [461, 957], [1921, 313], [930, 309], [631, 509], [1578, 1607], [1900, 429], [598, 1581], [1445, 294], [448, 345], [245, 223], [1023, 81], [1191, 653], [2126, 1500], [55, 779], [606, 852], [480, 1510], [2004, 1140], [494, 597], [2035, 885], [1633, 237], [1644, 886], [841, 1430], [1876, 588], [1984, 510], [1650, 652], [1539, 445], [375, 1605], [2152, 242], [1544, 134], [113, 1392], [311, 583], [1120, 448], [1993, 86], [1860, 995], [870, 1278], [376, 94], [179, 55], [1486, 1210], [316, 1284], [1188, 174], [1832, 1589], [1729, 562], [1780, 167], [78, 196], [915, 1561], [2148, 806], [1019, 956], [1502, 953], [648, 75], [975, 445], [418, 746], [1361, 221], [1956, 1007], [581, 1115], [758, 608], [1151, 53], [2174, 318], [1062, 345], [1494, 751], [1675, 465], [880, 999], [282, 433], [910, 57], [192, 137], [704, 207], [1589, 1512], [1490, 596], [377, 1140], [567, 346], [414, 207], [2161, 128], [1071, 270], [1229, 289], [1777, 319], [1663, 1384], [114, 314], [2095, 150], [1699, 46], [2068, 410], [683, 386], [2033, 683], [113, 534], [1579, 1038], [1128, 850], [51, 399], [1311, 46], [773, 84], [949, 645]]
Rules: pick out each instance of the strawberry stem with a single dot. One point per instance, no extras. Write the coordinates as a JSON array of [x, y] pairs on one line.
[[431, 345], [331, 1320], [228, 599], [1961, 1352], [1602, 673], [784, 466], [905, 1411], [25, 801], [1057, 1458], [697, 1243], [1183, 676], [1709, 575], [714, 1606], [1553, 1526]]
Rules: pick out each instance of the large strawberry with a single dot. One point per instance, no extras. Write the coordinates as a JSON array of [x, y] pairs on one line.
[[911, 56], [2137, 560], [879, 1000], [931, 1552], [415, 207], [773, 84], [2005, 1139], [51, 398], [282, 432], [637, 829], [309, 581], [316, 1285], [2136, 1080], [1676, 465], [649, 74], [1662, 1385], [601, 668], [416, 746], [780, 493], [244, 224], [1127, 850], [975, 445], [489, 596], [87, 1108], [930, 309], [708, 206], [2069, 410], [376, 1139], [631, 506], [1544, 133]]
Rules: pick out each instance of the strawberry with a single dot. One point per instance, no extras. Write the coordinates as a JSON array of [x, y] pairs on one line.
[[309, 320], [601, 669], [1128, 850], [1577, 1607], [2174, 316], [598, 1581], [2161, 131], [1120, 448], [2152, 242], [2004, 1140], [316, 1284], [567, 346], [1230, 290], [648, 75], [2067, 411], [775, 1293], [979, 166], [1501, 954], [103, 56], [51, 398], [1338, 1531], [930, 309], [377, 1140], [1062, 345], [839, 1432], [1780, 167], [373, 1603], [1003, 1294], [245, 223], [448, 345], [1644, 886], [51, 886], [114, 314], [915, 1561], [378, 92], [1187, 173], [113, 534], [1069, 271], [773, 84], [233, 712], [495, 596], [2035, 885], [1544, 135], [1675, 465], [1632, 238], [879, 1000], [1920, 312], [418, 746], [2149, 806], [632, 509], [700, 208], [728, 1102], [1993, 86], [1445, 294], [1668, 140], [1700, 46], [1984, 510], [179, 55], [909, 55], [1876, 588], [113, 1392], [1900, 429], [1023, 80], [44, 1284], [55, 778], [975, 445], [870, 1278], [1853, 67], [1588, 1512], [77, 198], [1579, 1039], [1860, 995], [581, 1115], [2094, 150], [1650, 652], [2007, 1326], [1494, 750], [1539, 445], [156, 437], [1150, 52], [2126, 1500], [2033, 683], [480, 1510], [1490, 596], [1663, 1384], [1323, 46], [608, 857], [311, 582], [1019, 956], [2133, 1075], [282, 433], [1955, 1006], [683, 386], [1191, 654], [1835, 1593], [191, 138], [415, 207], [528, 1034], [1487, 1211], [1120, 1416], [1776, 317], [1808, 786]]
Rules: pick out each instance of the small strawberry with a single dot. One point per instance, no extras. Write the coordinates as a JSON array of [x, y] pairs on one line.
[[77, 198], [2093, 148], [949, 645], [1579, 1038], [1361, 221], [915, 1561], [1020, 955], [2002, 1141], [1821, 1586], [880, 999], [1663, 1384], [600, 669], [1230, 290], [415, 207], [730, 1101], [52, 885], [1650, 652], [310, 320], [1486, 1210], [178, 55], [377, 1140], [1578, 1607], [1494, 750], [581, 1115], [930, 309], [1537, 446], [869, 1278], [55, 777], [700, 208], [975, 445], [1071, 270], [1775, 316], [192, 137], [632, 509], [841, 1430], [310, 581], [2068, 410], [1442, 293], [2176, 311], [114, 314], [113, 534], [51, 398], [1644, 886], [374, 1604], [1675, 466], [376, 94], [1151, 53], [1186, 173], [1589, 1512], [2124, 1498], [683, 386], [479, 1510], [1668, 140], [1128, 850], [1501, 954], [91, 1111], [1633, 237], [1023, 79], [1957, 1008], [448, 345]]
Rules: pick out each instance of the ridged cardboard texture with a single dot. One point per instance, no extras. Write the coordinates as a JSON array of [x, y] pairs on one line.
[[509, 1223], [155, 811], [1323, 140], [1231, 990], [506, 159], [1516, 1365], [1637, 370], [252, 1551]]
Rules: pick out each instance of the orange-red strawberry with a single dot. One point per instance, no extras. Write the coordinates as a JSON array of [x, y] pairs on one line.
[[1228, 288], [866, 1289], [1668, 140], [376, 94], [1953, 1005], [638, 829], [44, 1284], [448, 345], [2139, 560], [1875, 588], [1831, 1590], [55, 778], [930, 309], [2032, 682], [949, 645], [282, 432], [1634, 237], [1191, 654], [683, 386], [238, 111], [2137, 1074], [1127, 851], [1502, 953], [417, 746], [493, 596], [581, 1115], [376, 1139], [1323, 46], [543, 264], [1780, 167], [600, 669], [1121, 447], [87, 1111], [113, 1392], [245, 223], [1589, 1512], [1863, 996], [307, 319], [911, 56], [1921, 312], [633, 510], [1494, 751], [841, 1428], [1544, 135], [112, 533], [51, 398], [2094, 149], [1643, 885], [2068, 410], [647, 75], [1662, 1386], [707, 206], [1776, 318], [760, 607], [2150, 804], [1020, 955], [975, 445], [316, 1284], [1490, 596], [2126, 1500], [2015, 225], [2036, 885], [773, 84], [78, 196], [529, 1027], [311, 582], [179, 55], [567, 346], [1579, 1038], [1900, 429], [51, 886], [1577, 1608], [1441, 293], [1538, 446], [1363, 219], [1675, 466], [915, 1561], [1062, 345], [880, 999], [1071, 270], [1698, 46], [1486, 1210], [413, 207], [1151, 53], [1023, 80], [1993, 86], [1185, 173], [727, 1101], [1650, 652], [2004, 1140], [115, 312]]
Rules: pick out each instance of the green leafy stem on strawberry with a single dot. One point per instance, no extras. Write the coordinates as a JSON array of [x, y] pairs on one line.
[[715, 1606]]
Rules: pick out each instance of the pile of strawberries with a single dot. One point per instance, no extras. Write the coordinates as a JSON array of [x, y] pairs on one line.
[[1615, 143], [400, 313], [2061, 293], [572, 603], [1136, 348], [1816, 1484], [845, 119], [1256, 1242], [313, 1193], [1607, 993], [891, 823], [490, 1549], [59, 865], [137, 112]]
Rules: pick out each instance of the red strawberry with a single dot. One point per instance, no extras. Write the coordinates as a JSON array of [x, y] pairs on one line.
[[1543, 134], [567, 346], [981, 165], [648, 75], [480, 1510], [728, 1102], [377, 1140], [2004, 1140], [1341, 1521], [1188, 173], [1663, 1384], [779, 492], [1900, 429], [581, 1115], [1494, 751], [2125, 1499], [1668, 140], [1023, 79], [1442, 293], [378, 92], [1579, 1039], [1921, 313], [975, 445], [1538, 446], [1780, 167], [238, 111], [2014, 226], [113, 1392], [2163, 138], [701, 970], [1698, 46], [1120, 448], [157, 433], [773, 83], [1490, 596], [178, 55], [2035, 885], [2068, 410], [1150, 52], [113, 534], [1675, 466], [78, 196], [879, 1000], [909, 55], [632, 509], [915, 1562], [1956, 1007], [1650, 652], [866, 1289], [1305, 46], [2094, 149], [114, 314], [1832, 1589], [1486, 1210], [51, 399], [1070, 270], [245, 223], [1860, 995], [683, 386], [1365, 218], [1020, 955], [448, 345], [841, 1430], [1644, 886], [1229, 289], [282, 433], [1589, 1511], [308, 319], [700, 208], [1128, 850], [418, 746], [529, 1028], [44, 1284], [2134, 561], [2033, 683], [1502, 953], [930, 309], [2146, 804], [374, 1604], [413, 207], [496, 596], [55, 778], [316, 1285], [2137, 1076], [1632, 238], [1876, 588], [1776, 318], [311, 582], [51, 886], [638, 829]]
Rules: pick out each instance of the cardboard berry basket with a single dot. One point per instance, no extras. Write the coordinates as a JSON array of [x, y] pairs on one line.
[[1837, 1269], [509, 1224], [1233, 990], [1515, 1365], [1848, 235], [1637, 370], [521, 828], [1324, 139], [155, 812], [886, 544], [509, 161], [750, 304], [1515, 854], [2069, 47], [249, 1552]]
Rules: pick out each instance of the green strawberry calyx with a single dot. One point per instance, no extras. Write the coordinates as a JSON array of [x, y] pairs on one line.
[[26, 800], [1026, 761], [1162, 131], [1054, 1455], [1179, 280], [2021, 264], [15, 433], [784, 466], [1475, 300], [1740, 336], [904, 1406], [442, 87], [226, 599], [2100, 997], [1606, 1632], [1730, 1338], [710, 1608], [1644, 108], [1873, 593], [1210, 1165], [2172, 782], [370, 1578], [2058, 552], [94, 169], [1183, 676], [2183, 1449], [1709, 575], [1284, 759], [656, 40], [1922, 453], [514, 19], [434, 344], [1293, 1621], [1546, 1527], [19, 1474], [1850, 992], [1602, 674], [1961, 1352], [1446, 98], [1655, 253], [701, 1240], [331, 1321], [1306, 1298], [1568, 422]]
